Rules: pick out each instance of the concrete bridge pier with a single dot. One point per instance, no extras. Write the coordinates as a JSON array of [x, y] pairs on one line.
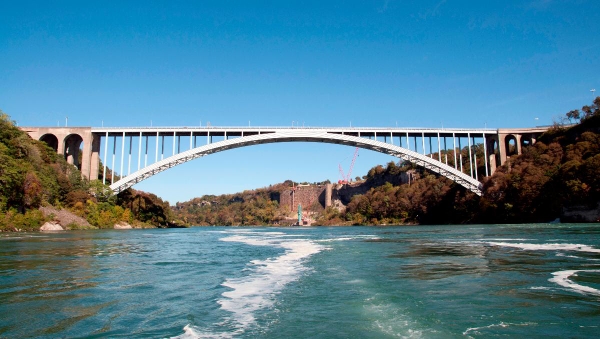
[[95, 157], [491, 145]]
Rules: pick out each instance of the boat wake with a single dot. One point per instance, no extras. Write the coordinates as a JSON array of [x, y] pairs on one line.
[[562, 278], [548, 247], [257, 290]]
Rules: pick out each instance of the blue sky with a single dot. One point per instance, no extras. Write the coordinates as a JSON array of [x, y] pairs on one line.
[[230, 63]]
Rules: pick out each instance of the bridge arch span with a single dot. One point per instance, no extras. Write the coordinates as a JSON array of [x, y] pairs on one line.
[[299, 135]]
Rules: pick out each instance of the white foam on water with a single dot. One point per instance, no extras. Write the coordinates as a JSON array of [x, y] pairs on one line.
[[562, 278], [567, 256], [353, 237], [335, 239], [543, 288], [501, 324], [548, 247], [265, 279], [190, 333], [391, 321], [268, 277], [508, 239]]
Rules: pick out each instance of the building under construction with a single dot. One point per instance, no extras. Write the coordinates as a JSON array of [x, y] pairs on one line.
[[315, 198]]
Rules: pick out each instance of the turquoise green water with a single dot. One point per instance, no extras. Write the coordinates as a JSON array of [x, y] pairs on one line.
[[346, 282]]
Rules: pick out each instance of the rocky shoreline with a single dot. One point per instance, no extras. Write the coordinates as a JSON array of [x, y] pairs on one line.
[[63, 220]]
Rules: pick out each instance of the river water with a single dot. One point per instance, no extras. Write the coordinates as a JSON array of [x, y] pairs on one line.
[[474, 281]]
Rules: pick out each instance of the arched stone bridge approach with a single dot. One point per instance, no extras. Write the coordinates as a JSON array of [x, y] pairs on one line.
[[421, 146]]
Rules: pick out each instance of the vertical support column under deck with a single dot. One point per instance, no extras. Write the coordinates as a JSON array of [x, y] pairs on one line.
[[446, 150], [392, 138], [460, 155], [129, 161], [416, 146], [112, 177], [162, 149], [407, 142], [423, 141], [485, 157], [146, 153], [122, 153], [430, 149], [140, 152], [475, 159], [156, 149], [470, 156], [174, 138], [454, 147], [439, 148], [95, 156], [104, 164], [191, 139]]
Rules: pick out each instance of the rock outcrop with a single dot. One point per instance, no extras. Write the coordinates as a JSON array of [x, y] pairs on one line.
[[122, 226], [51, 226], [64, 217]]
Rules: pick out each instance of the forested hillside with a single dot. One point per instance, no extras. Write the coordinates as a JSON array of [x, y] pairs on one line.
[[558, 173], [33, 175], [249, 208]]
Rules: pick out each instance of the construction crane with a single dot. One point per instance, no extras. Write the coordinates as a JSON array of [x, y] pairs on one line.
[[346, 178]]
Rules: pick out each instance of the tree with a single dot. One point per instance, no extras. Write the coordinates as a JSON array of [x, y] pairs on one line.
[[573, 115]]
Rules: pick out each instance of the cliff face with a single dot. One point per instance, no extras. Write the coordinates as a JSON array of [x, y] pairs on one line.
[[317, 197], [310, 197]]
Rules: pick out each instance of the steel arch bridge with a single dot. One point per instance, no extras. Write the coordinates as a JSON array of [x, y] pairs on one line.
[[301, 135], [92, 143]]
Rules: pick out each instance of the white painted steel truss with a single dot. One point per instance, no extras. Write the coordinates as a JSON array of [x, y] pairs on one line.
[[303, 135]]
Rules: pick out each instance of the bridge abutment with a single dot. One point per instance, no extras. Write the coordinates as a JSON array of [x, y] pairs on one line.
[[67, 141], [522, 137]]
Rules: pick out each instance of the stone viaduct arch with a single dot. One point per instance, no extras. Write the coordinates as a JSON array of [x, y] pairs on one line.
[[520, 137], [67, 141]]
